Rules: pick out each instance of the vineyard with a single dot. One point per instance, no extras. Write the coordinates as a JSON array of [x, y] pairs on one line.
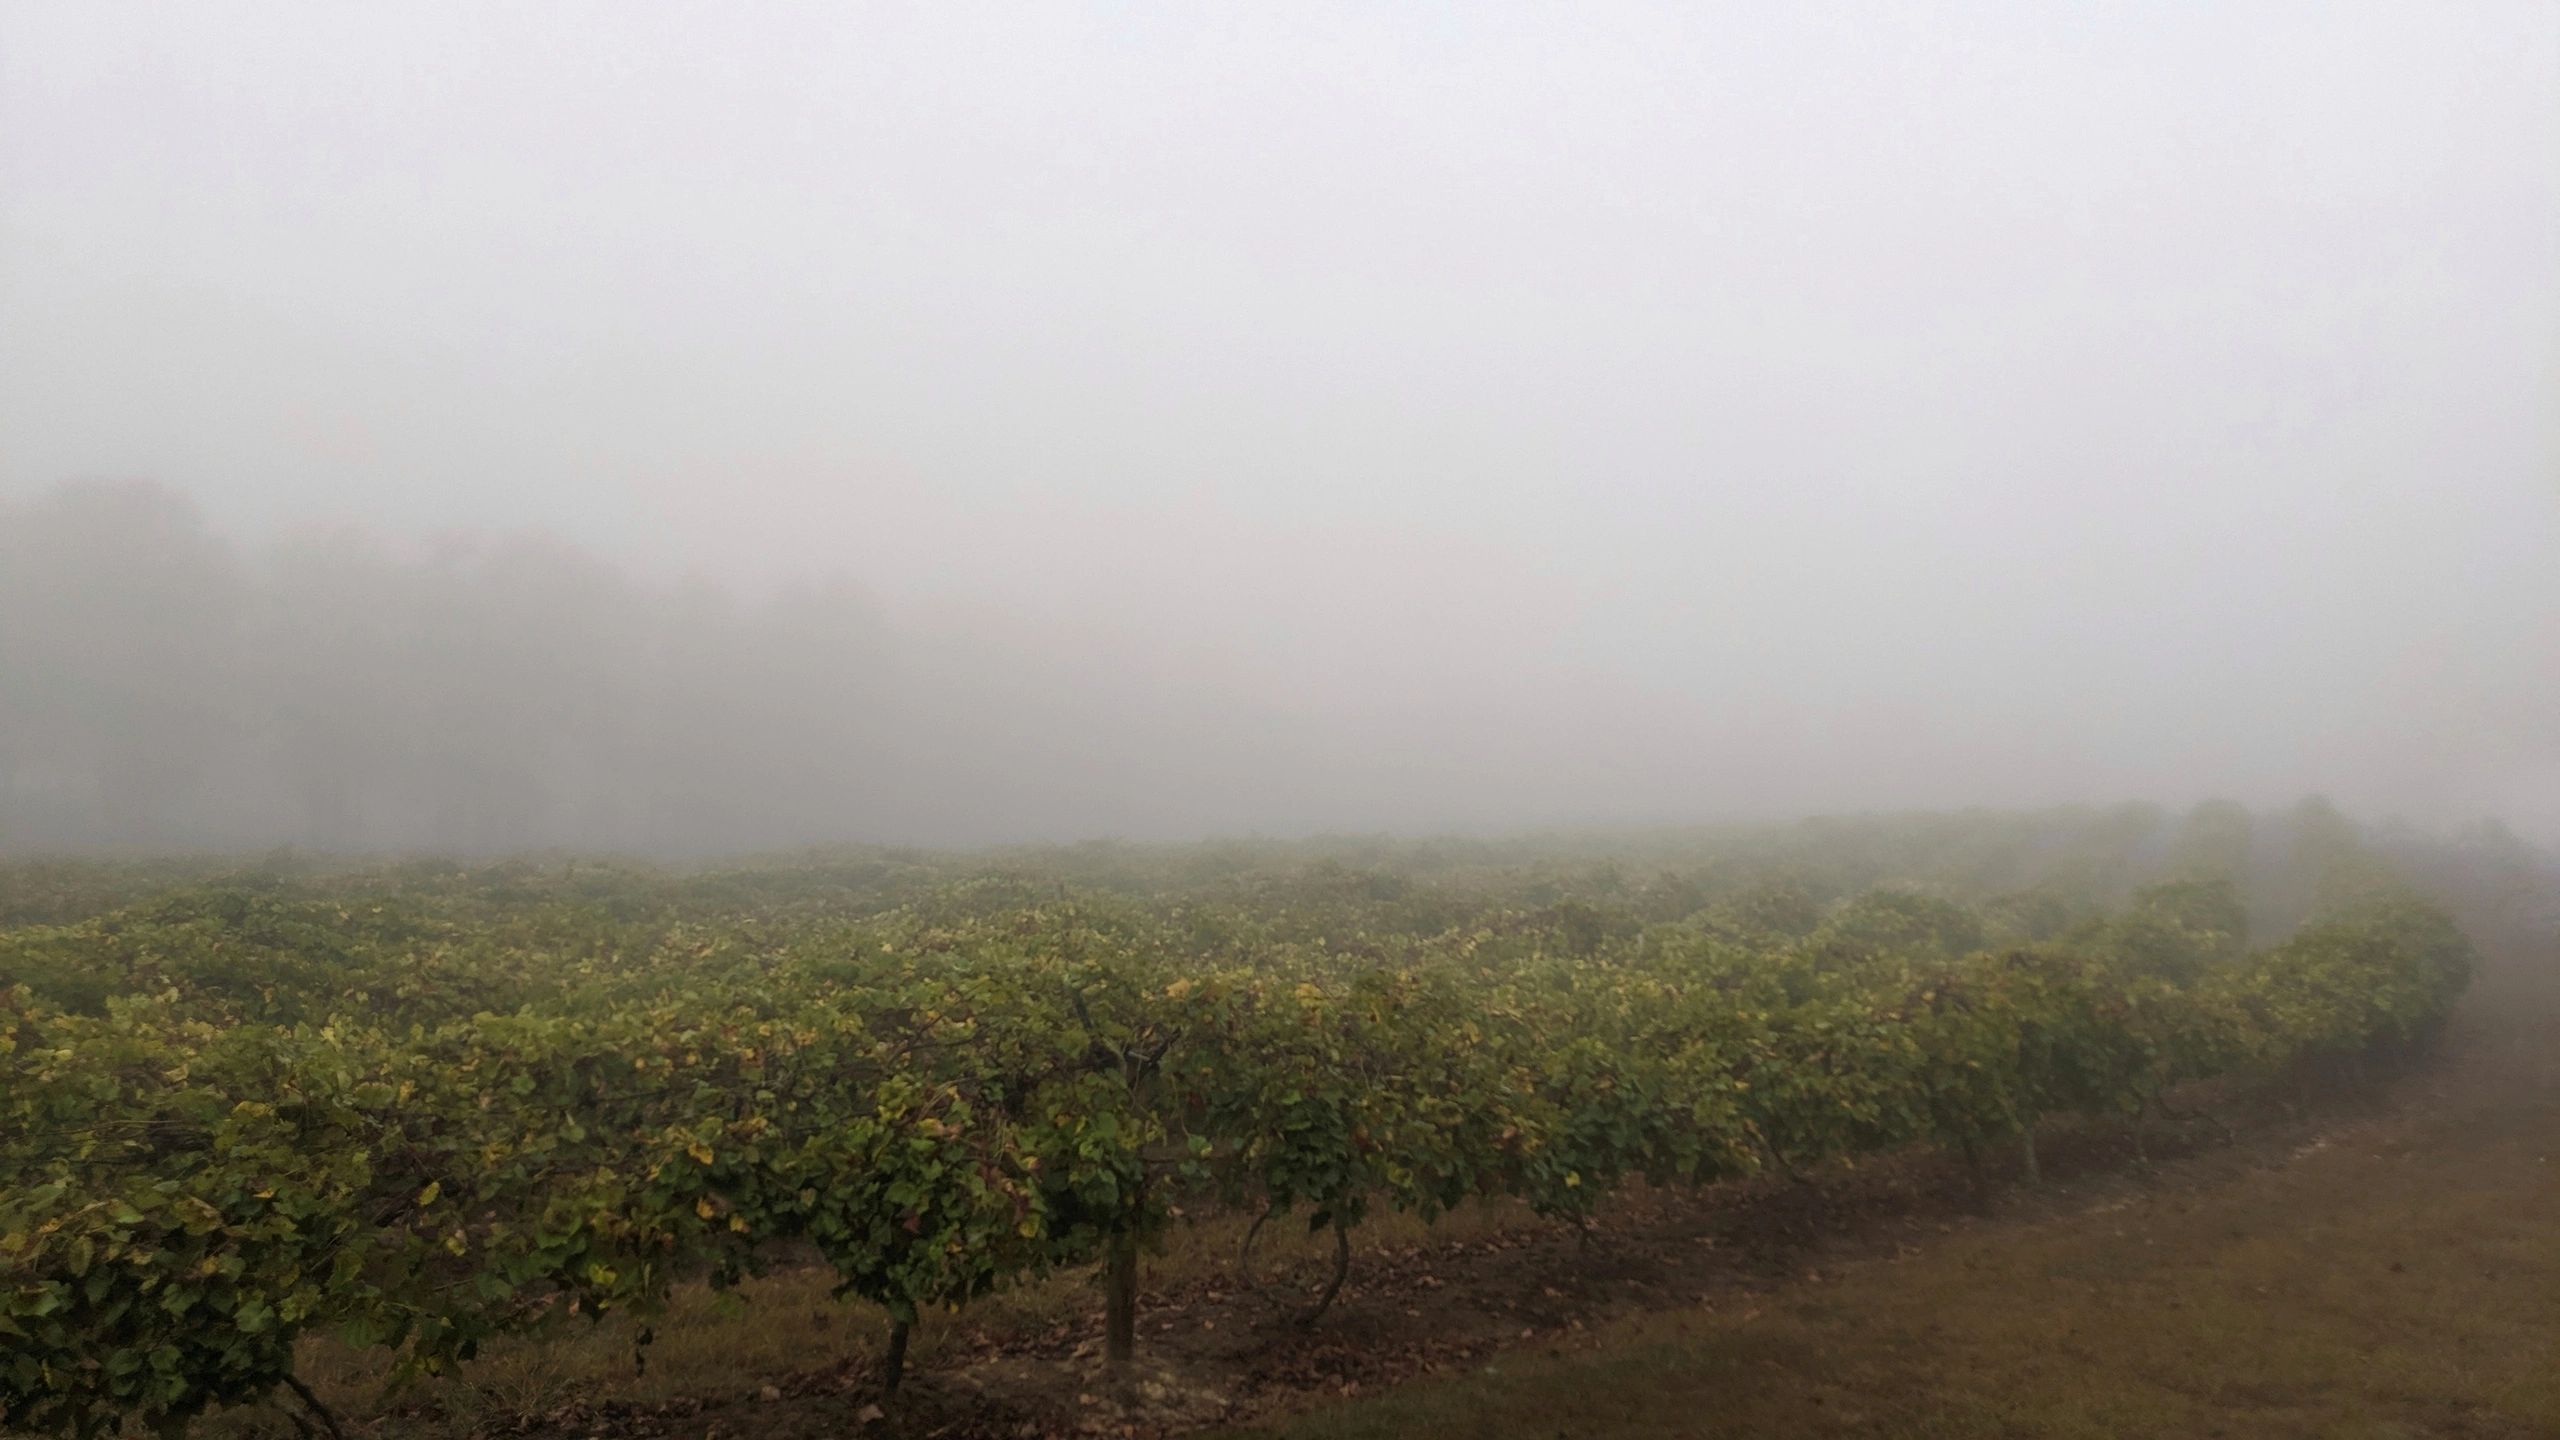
[[425, 1108]]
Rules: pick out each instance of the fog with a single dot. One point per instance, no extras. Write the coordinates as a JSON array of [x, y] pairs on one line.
[[693, 428]]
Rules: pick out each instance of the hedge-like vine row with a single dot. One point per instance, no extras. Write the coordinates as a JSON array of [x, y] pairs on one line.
[[434, 1136]]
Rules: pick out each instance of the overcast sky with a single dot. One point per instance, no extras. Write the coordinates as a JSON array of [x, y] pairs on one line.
[[1727, 407]]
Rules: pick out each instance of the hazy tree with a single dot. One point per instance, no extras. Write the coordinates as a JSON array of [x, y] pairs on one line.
[[2213, 841], [119, 662]]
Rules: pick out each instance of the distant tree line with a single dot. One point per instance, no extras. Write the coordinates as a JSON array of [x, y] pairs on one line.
[[162, 686], [165, 687]]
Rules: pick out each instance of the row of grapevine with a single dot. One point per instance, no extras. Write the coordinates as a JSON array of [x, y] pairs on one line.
[[427, 1135]]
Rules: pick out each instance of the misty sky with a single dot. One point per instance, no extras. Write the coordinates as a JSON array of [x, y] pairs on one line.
[[1599, 411]]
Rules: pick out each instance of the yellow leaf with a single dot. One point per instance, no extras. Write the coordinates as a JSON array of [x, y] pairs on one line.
[[704, 1208], [699, 1151], [428, 1195]]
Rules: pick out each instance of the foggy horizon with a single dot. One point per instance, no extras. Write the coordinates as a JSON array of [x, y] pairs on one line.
[[961, 426]]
